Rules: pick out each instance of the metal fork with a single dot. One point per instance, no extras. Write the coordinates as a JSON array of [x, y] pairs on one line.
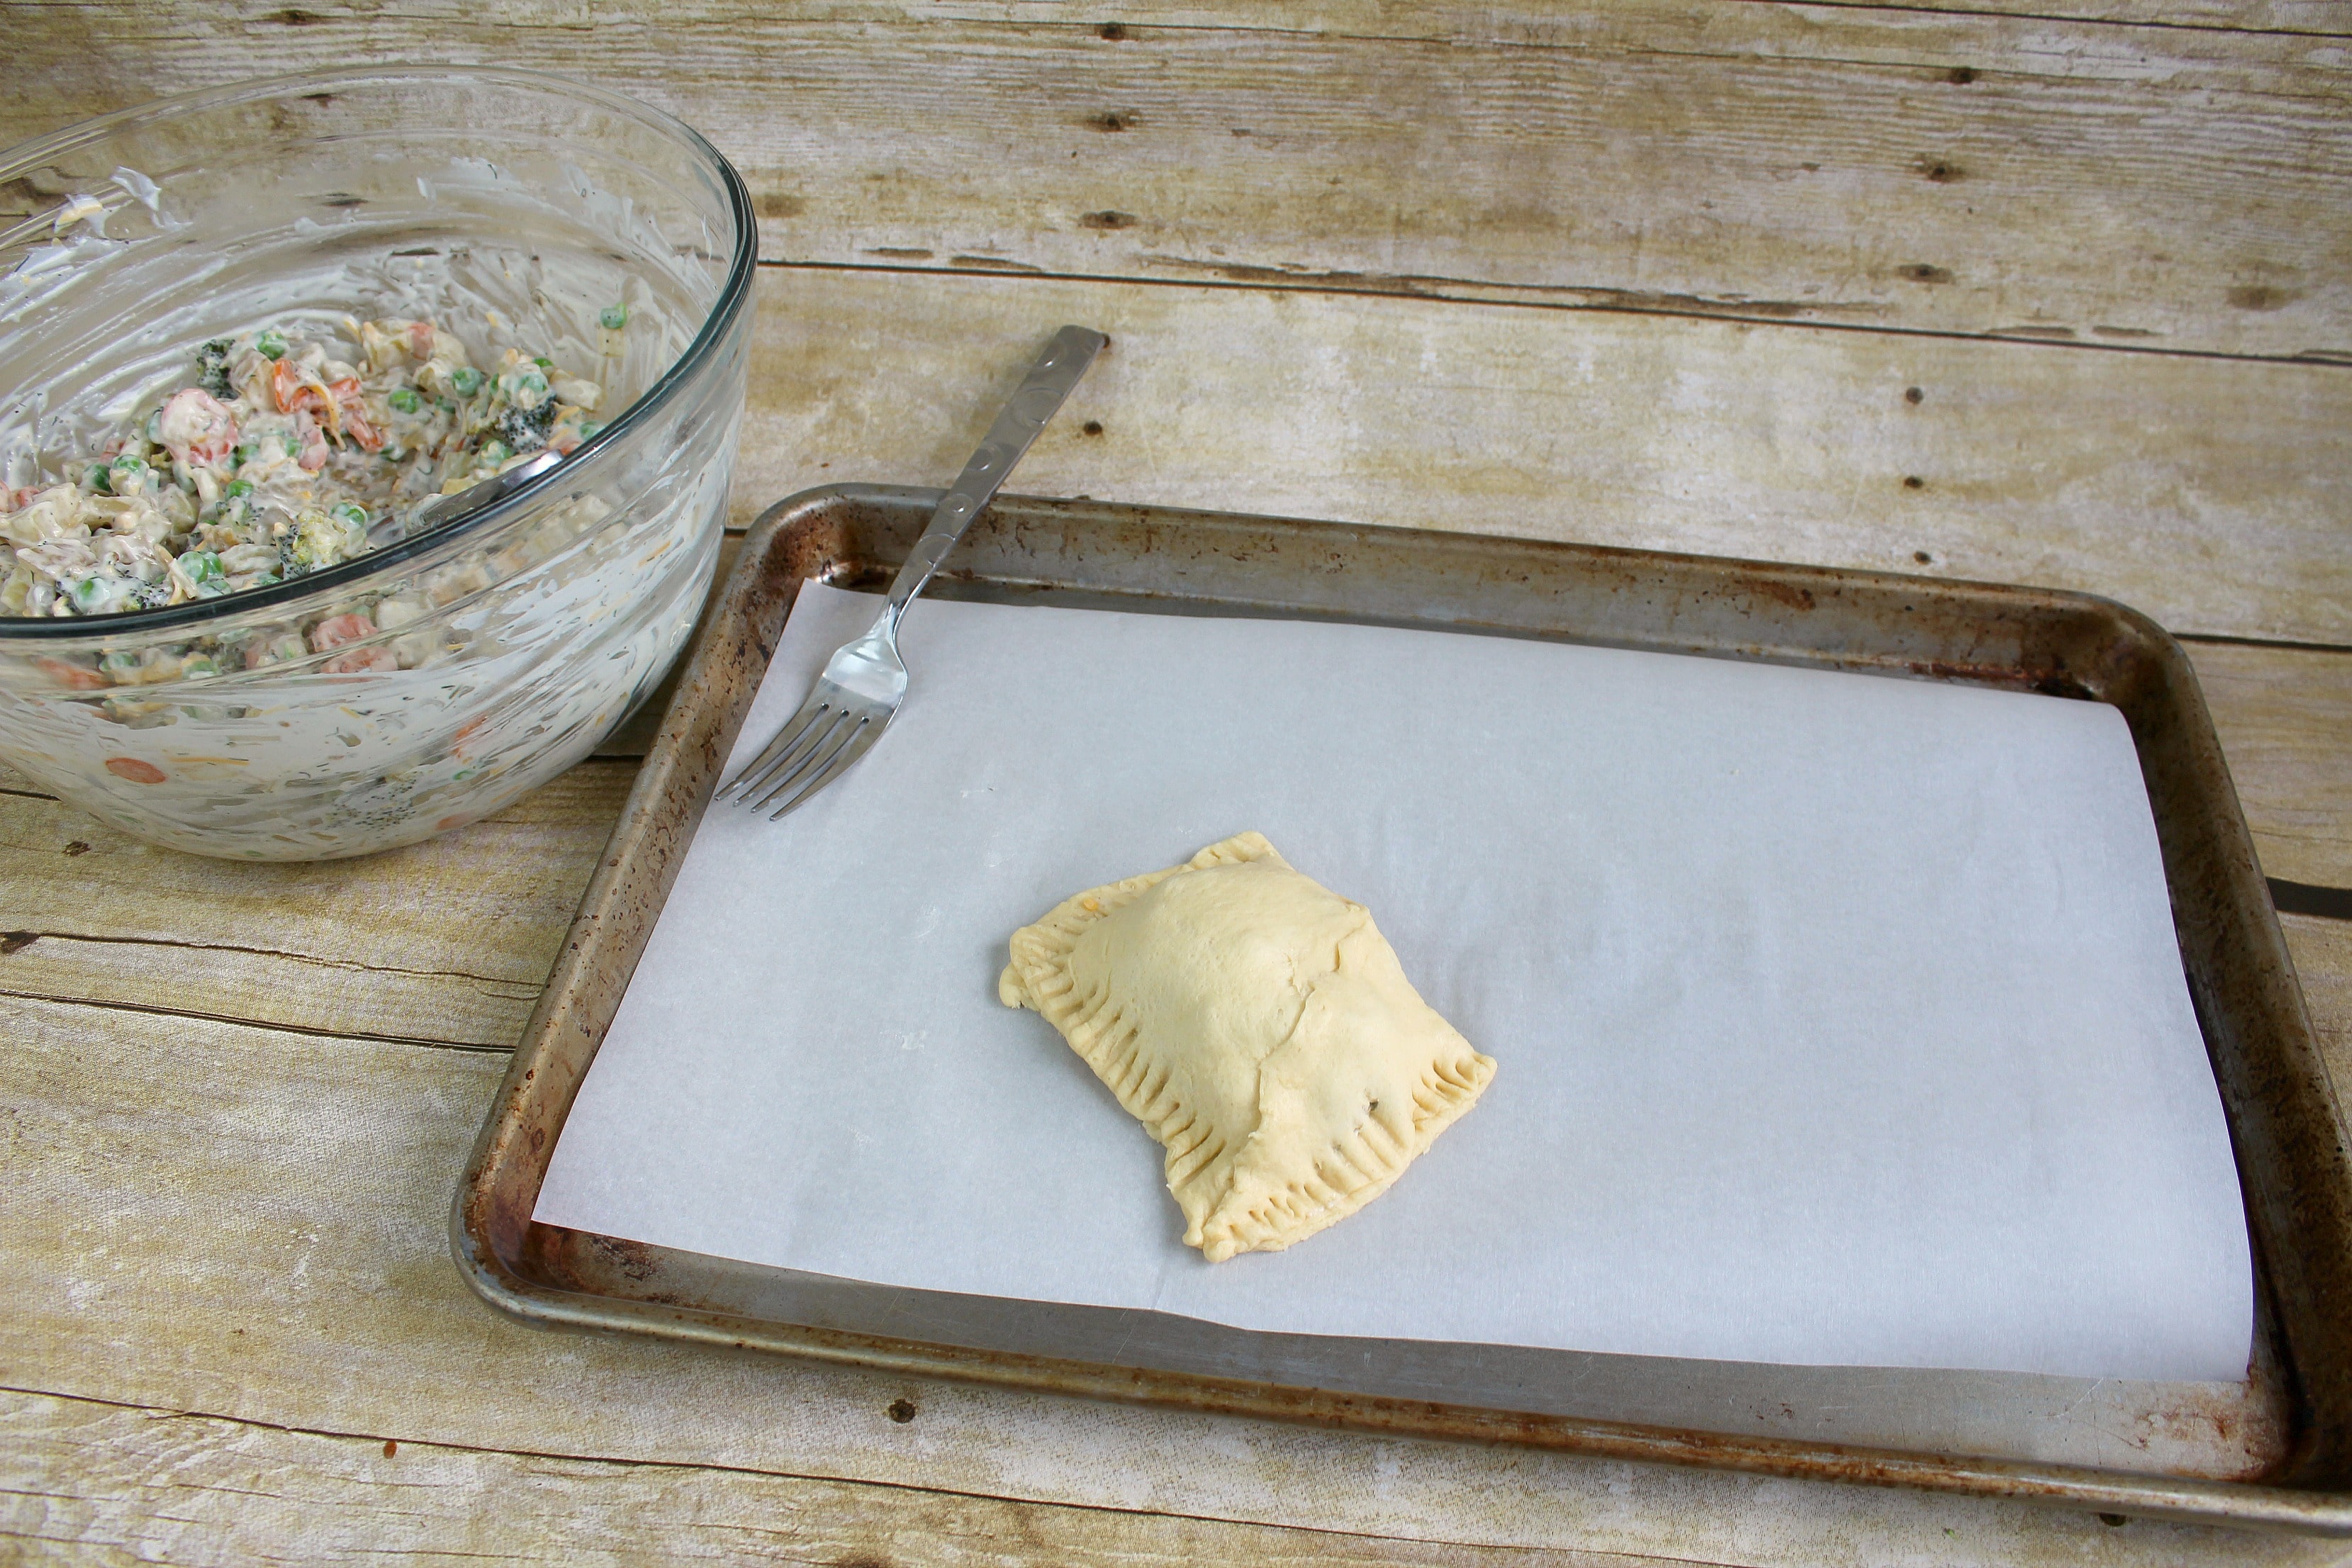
[[863, 682]]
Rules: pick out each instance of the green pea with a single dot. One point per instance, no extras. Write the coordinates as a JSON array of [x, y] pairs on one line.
[[348, 512], [129, 463], [240, 456], [293, 446], [530, 381], [612, 317], [543, 362], [237, 488], [89, 593], [404, 400], [199, 668], [465, 380], [588, 429], [97, 480], [271, 344], [202, 566], [496, 452]]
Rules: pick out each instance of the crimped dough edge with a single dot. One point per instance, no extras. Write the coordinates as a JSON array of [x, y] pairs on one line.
[[1349, 1172]]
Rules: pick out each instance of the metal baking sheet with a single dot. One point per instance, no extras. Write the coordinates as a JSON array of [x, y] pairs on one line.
[[2267, 1452]]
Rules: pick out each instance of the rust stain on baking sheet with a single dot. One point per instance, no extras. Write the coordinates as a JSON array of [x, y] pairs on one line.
[[633, 1260], [1790, 594], [2050, 681]]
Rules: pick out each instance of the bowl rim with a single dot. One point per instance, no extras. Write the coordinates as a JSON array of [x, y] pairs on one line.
[[733, 295]]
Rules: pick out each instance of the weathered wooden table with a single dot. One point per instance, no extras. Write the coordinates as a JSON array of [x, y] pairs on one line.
[[2055, 299]]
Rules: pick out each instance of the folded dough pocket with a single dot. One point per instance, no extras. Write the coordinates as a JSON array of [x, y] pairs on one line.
[[1261, 1027]]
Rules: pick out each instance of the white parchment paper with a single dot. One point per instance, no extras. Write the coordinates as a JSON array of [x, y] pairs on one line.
[[1840, 1018]]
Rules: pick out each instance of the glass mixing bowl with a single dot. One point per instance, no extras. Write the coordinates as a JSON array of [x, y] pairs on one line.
[[492, 652]]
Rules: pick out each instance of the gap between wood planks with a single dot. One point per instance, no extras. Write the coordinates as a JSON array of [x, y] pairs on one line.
[[2065, 19], [2305, 899], [2289, 645], [420, 1042], [1513, 296], [1130, 19], [18, 940]]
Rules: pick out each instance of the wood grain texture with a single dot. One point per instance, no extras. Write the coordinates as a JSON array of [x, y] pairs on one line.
[[366, 948], [1467, 267], [248, 1224], [2322, 950], [197, 1490], [2286, 721], [2215, 496], [2322, 18], [1891, 168]]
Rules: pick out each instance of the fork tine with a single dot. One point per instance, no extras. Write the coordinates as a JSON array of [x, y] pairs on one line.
[[787, 740], [817, 759], [865, 679], [861, 740], [839, 723]]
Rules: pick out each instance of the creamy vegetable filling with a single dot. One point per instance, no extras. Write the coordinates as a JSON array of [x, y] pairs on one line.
[[281, 458]]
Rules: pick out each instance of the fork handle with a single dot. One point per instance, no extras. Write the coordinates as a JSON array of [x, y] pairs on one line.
[[1057, 370]]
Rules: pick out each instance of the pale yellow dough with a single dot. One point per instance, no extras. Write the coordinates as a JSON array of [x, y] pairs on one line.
[[1260, 1027]]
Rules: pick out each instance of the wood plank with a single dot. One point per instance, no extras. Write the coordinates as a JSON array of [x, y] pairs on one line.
[[2320, 17], [86, 1481], [2322, 950], [248, 1225], [2212, 495], [364, 947], [1888, 168], [2285, 722]]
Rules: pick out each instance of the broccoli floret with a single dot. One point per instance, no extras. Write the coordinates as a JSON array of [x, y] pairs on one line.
[[212, 367], [525, 430]]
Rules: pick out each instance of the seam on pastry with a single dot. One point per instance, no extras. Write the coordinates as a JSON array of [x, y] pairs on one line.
[[1339, 1180], [1292, 1213]]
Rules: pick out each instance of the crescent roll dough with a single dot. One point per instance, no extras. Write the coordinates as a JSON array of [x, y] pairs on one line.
[[1260, 1027]]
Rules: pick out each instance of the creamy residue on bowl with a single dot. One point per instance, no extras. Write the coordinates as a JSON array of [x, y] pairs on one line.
[[278, 457]]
